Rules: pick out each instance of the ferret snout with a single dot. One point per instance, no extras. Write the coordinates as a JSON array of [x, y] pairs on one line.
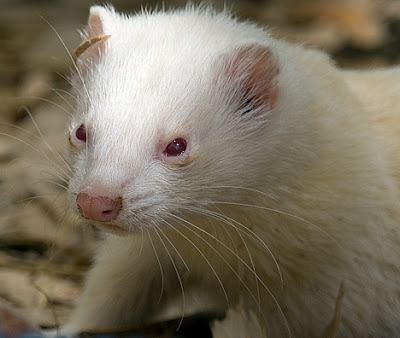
[[98, 208]]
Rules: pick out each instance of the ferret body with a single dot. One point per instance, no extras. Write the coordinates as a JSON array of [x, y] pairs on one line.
[[228, 168]]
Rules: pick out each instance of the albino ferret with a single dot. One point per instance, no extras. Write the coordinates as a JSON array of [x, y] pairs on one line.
[[227, 167]]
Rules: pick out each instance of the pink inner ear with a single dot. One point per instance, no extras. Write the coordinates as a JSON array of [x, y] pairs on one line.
[[95, 26], [254, 69], [94, 38]]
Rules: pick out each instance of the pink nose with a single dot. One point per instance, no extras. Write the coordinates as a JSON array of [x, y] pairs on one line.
[[98, 208]]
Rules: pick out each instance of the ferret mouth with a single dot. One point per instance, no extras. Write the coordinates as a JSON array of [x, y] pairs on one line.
[[112, 228]]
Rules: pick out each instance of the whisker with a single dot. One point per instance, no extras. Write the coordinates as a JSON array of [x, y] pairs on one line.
[[204, 257], [281, 213], [58, 93], [219, 217], [241, 188], [31, 134], [262, 145], [142, 243], [57, 156], [177, 274], [42, 99], [63, 187], [216, 251], [51, 172], [26, 131], [56, 176], [38, 150], [233, 270], [174, 247], [159, 264], [228, 220], [36, 197], [70, 82], [66, 92], [70, 57]]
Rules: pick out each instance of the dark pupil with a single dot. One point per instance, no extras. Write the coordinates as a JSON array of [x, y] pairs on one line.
[[81, 133], [176, 147]]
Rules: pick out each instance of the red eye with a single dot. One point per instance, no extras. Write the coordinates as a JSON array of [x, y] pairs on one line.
[[80, 133], [176, 147]]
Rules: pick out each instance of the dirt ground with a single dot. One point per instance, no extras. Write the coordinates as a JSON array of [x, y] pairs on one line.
[[44, 249]]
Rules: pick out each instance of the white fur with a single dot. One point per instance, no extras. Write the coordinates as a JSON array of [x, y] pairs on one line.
[[293, 204]]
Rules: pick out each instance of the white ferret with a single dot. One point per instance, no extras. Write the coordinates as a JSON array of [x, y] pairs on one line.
[[229, 167]]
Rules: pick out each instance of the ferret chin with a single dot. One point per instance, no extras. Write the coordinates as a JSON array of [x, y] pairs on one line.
[[235, 170]]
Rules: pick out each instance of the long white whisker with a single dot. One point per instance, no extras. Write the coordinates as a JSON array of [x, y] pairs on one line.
[[53, 183], [56, 154], [71, 83], [159, 264], [70, 57], [56, 176], [176, 250], [243, 262], [58, 93], [36, 197], [38, 98], [204, 257], [219, 217], [241, 188], [229, 221], [142, 243], [26, 131], [177, 274], [56, 165], [278, 212], [59, 90], [41, 152], [52, 173], [262, 145], [216, 251]]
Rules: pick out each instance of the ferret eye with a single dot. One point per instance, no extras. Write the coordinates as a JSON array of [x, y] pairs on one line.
[[80, 133], [176, 147], [78, 136]]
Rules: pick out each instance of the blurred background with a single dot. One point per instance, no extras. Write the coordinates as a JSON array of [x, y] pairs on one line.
[[43, 252]]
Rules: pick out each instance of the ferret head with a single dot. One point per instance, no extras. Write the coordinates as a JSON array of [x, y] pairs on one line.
[[173, 109]]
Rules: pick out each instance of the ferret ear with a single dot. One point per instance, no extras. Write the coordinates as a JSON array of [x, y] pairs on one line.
[[252, 71], [96, 32], [99, 21]]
